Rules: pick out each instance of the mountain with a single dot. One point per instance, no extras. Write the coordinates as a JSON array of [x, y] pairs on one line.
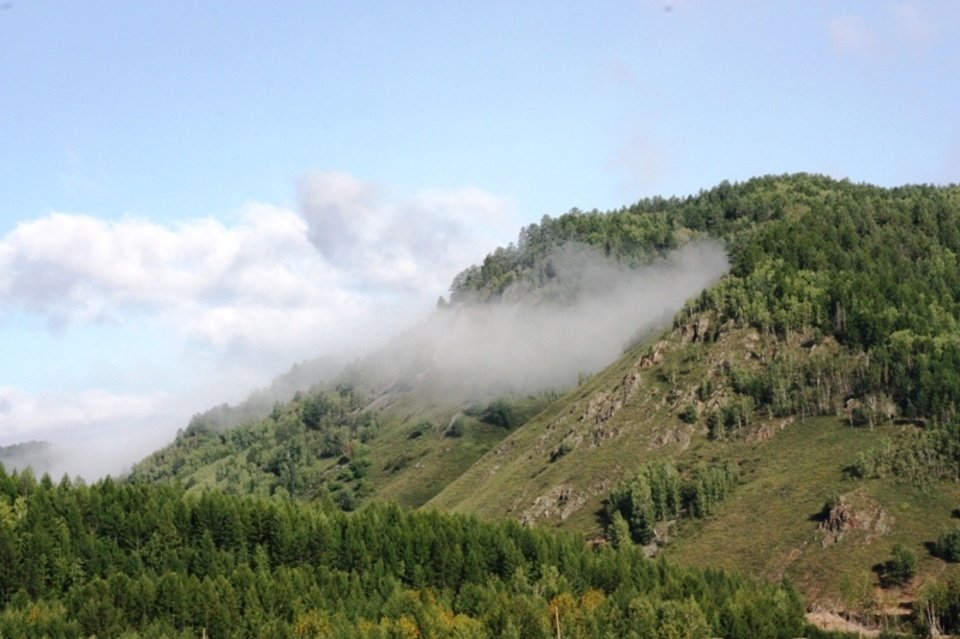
[[790, 413], [40, 456]]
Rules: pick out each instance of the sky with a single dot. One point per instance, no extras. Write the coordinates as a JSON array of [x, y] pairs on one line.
[[196, 195]]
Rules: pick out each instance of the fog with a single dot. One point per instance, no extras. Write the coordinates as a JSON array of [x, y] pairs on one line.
[[545, 339], [158, 322], [106, 352], [40, 456]]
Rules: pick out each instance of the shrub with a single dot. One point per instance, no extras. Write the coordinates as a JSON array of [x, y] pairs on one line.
[[948, 546], [689, 414], [901, 569]]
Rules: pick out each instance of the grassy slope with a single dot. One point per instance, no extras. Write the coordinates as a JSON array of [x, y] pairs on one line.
[[764, 528], [767, 527], [405, 469], [411, 471], [509, 479]]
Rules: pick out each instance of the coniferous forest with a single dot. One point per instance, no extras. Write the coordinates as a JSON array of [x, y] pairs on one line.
[[119, 560]]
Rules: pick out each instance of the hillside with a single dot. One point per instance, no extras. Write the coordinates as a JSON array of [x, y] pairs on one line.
[[37, 455], [796, 419]]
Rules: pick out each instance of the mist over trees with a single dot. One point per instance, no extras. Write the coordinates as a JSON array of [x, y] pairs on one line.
[[538, 336], [40, 456], [863, 274]]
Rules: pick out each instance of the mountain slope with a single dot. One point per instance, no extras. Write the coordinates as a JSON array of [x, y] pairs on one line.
[[801, 409], [823, 368]]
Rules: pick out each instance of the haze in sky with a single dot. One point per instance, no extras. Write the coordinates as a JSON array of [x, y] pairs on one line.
[[196, 195]]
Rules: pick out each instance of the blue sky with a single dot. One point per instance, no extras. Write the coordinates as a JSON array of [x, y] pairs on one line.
[[194, 195]]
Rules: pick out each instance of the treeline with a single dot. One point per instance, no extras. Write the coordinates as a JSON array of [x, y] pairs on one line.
[[801, 380], [314, 446], [938, 608], [659, 491], [630, 237], [917, 455], [123, 560], [876, 269]]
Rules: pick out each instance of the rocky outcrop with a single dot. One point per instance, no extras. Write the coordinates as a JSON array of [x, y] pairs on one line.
[[560, 502], [654, 357], [604, 405], [696, 331], [856, 512]]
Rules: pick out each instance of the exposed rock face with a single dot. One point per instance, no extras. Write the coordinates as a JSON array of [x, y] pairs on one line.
[[854, 512], [603, 406], [839, 519], [696, 331], [769, 429], [654, 357], [680, 435], [560, 502]]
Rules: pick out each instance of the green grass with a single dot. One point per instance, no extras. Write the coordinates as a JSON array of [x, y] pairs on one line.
[[433, 460], [768, 526], [523, 467], [557, 469]]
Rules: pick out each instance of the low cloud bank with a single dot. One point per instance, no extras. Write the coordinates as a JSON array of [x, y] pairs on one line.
[[547, 338]]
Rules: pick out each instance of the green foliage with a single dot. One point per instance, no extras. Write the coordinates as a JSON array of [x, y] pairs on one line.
[[565, 448], [659, 491], [632, 235], [456, 428], [290, 450], [901, 569], [498, 413], [947, 546], [875, 269], [939, 606], [510, 413], [421, 428], [118, 559], [689, 414], [916, 455]]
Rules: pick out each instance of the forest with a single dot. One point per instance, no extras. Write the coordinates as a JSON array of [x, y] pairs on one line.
[[115, 559]]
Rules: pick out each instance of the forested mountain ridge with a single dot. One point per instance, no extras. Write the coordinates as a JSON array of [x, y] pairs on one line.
[[823, 364], [821, 371]]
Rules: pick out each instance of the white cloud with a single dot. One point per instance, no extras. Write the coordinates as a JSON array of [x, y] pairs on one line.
[[904, 30], [22, 414], [916, 28], [851, 34], [261, 280], [84, 426], [415, 244], [243, 300]]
